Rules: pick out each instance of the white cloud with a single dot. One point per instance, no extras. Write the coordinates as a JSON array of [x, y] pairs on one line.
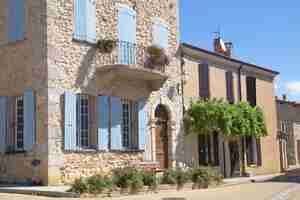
[[293, 87]]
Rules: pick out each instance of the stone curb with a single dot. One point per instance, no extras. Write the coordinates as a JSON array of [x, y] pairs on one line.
[[40, 193], [163, 189]]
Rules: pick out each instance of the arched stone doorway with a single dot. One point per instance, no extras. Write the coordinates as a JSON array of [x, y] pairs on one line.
[[161, 136]]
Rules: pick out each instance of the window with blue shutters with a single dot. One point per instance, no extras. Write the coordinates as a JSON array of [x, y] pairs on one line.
[[70, 126], [143, 122], [127, 35], [85, 20], [29, 119], [82, 139], [160, 34], [103, 122], [116, 117], [16, 20], [3, 123]]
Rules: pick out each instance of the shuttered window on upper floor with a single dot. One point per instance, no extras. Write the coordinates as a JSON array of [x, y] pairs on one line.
[[16, 20], [229, 87], [251, 90], [160, 34], [85, 20], [204, 91]]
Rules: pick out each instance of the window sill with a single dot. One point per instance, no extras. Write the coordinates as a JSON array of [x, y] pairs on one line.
[[94, 151], [83, 41]]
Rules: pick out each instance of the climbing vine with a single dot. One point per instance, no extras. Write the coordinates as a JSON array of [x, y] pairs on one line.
[[232, 120]]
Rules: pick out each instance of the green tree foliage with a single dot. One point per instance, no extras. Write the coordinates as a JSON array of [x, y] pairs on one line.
[[232, 120]]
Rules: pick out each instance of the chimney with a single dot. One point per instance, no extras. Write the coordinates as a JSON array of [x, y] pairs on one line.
[[284, 97], [221, 47], [229, 47]]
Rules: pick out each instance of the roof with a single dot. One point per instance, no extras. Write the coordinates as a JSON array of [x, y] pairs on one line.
[[293, 103], [229, 58]]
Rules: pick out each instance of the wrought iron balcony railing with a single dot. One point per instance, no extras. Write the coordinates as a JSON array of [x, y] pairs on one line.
[[126, 53]]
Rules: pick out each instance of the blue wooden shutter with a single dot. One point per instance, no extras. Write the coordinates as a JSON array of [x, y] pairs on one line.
[[91, 21], [143, 121], [70, 121], [3, 123], [127, 35], [80, 19], [16, 20], [160, 35], [103, 122], [29, 119], [116, 117]]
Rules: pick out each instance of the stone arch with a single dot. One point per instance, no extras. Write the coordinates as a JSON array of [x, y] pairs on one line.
[[171, 129]]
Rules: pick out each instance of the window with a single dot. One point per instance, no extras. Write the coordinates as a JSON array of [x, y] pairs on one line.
[[83, 121], [126, 123], [19, 123], [204, 91], [129, 124], [229, 87], [85, 20], [16, 22], [251, 90], [160, 34]]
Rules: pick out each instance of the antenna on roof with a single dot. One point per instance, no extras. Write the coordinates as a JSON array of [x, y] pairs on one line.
[[217, 34]]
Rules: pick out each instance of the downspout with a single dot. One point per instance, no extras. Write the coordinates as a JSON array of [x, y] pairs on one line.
[[243, 167], [182, 63]]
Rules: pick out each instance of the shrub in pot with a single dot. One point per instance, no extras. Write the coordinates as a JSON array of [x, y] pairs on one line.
[[79, 186], [128, 179], [97, 184], [200, 178], [156, 56], [150, 180], [106, 46], [175, 177]]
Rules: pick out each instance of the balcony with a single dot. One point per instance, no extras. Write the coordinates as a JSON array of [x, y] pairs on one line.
[[124, 61]]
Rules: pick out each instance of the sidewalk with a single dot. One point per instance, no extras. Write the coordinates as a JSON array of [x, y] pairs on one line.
[[61, 191]]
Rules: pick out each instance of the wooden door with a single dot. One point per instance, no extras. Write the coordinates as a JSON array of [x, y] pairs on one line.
[[162, 144]]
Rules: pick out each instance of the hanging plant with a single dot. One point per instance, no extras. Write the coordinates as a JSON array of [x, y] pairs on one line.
[[106, 46], [156, 56]]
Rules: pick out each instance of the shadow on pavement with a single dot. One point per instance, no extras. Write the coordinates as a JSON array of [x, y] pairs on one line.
[[291, 176]]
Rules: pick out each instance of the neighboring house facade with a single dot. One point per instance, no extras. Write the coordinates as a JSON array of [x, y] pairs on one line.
[[217, 75], [68, 109], [288, 114]]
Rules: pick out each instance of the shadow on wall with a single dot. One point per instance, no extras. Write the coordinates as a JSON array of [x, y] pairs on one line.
[[173, 198], [86, 72]]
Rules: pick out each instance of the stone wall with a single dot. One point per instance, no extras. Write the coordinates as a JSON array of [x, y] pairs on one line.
[[72, 66], [23, 65]]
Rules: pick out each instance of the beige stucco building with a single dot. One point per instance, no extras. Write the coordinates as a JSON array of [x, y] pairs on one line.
[[216, 74], [73, 108], [288, 114]]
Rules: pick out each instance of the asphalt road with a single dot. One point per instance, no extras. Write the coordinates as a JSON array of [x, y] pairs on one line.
[[282, 188]]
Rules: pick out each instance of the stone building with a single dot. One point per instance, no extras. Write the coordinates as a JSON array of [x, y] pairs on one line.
[[288, 114], [87, 86], [216, 74]]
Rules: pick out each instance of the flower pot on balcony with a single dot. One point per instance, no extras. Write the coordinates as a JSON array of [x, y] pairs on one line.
[[156, 57], [106, 46]]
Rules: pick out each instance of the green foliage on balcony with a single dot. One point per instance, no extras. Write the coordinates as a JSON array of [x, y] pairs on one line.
[[232, 120]]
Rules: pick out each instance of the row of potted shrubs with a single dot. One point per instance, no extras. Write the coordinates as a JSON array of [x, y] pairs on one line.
[[134, 180]]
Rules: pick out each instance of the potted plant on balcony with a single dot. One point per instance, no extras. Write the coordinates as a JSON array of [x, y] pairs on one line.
[[156, 57], [106, 46]]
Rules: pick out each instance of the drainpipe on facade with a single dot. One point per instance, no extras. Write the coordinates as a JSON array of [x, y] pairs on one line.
[[182, 63], [242, 141]]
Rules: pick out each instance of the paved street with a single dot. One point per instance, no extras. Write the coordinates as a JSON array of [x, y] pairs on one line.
[[282, 188]]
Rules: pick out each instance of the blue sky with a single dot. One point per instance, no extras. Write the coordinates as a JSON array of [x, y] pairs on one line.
[[264, 32]]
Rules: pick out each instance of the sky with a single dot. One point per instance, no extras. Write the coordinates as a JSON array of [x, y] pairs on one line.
[[264, 32]]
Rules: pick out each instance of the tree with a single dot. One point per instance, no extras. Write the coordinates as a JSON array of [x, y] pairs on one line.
[[232, 120]]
